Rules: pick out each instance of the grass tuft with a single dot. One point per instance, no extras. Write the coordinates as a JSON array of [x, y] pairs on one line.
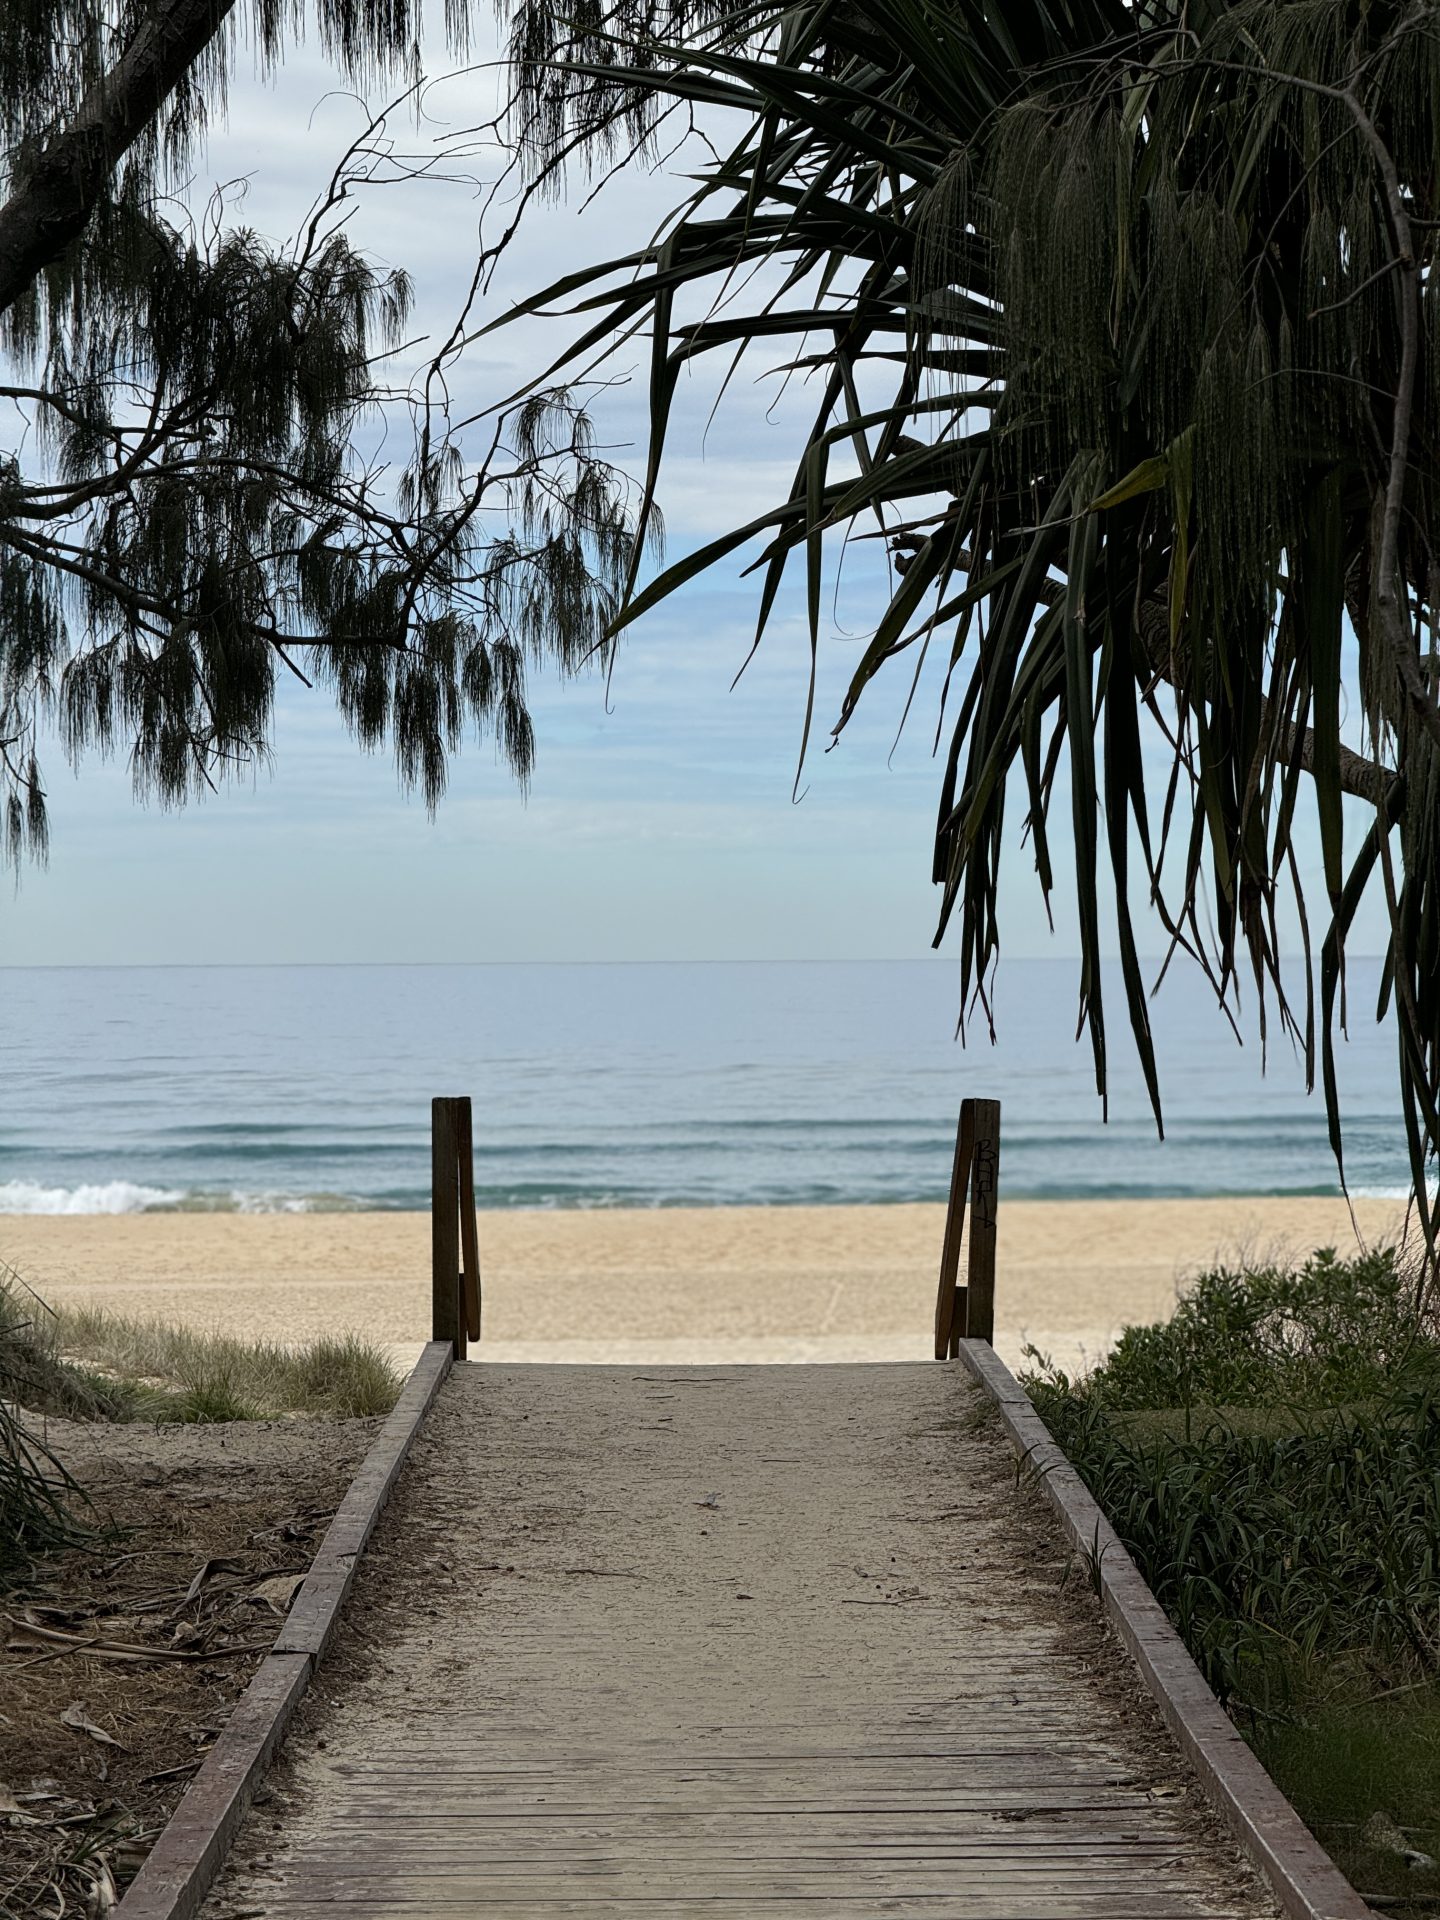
[[83, 1363], [179, 1373], [350, 1376], [33, 1371], [212, 1400]]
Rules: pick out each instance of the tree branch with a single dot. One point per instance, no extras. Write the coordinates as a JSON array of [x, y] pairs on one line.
[[54, 197]]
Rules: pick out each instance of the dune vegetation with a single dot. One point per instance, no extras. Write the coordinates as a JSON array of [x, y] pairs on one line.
[[1268, 1456], [35, 1506], [85, 1364], [168, 1372]]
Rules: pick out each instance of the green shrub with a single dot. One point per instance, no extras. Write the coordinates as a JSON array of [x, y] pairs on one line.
[[1278, 1558], [1271, 1459], [1326, 1333]]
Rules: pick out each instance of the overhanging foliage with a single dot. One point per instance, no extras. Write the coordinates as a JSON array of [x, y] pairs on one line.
[[194, 498], [1124, 319]]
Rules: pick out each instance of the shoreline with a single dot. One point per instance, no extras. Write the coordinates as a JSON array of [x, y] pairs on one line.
[[225, 1204], [672, 1285]]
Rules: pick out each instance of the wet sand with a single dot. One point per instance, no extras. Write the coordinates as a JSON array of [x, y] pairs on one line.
[[674, 1285]]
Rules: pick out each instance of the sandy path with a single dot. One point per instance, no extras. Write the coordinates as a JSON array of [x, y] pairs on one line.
[[718, 1284], [722, 1641]]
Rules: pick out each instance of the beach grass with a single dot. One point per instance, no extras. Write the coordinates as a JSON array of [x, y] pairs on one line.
[[178, 1373], [1268, 1458], [84, 1363], [34, 1373]]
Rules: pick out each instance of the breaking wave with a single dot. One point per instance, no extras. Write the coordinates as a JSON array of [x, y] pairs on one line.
[[125, 1196]]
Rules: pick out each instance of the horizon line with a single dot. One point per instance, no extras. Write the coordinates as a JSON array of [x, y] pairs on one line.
[[793, 960]]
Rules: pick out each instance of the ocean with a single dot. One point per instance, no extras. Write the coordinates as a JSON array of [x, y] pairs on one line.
[[308, 1088]]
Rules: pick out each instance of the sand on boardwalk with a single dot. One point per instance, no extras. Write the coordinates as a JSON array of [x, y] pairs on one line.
[[671, 1285]]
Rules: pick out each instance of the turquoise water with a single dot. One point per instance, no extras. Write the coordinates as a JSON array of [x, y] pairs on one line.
[[309, 1087]]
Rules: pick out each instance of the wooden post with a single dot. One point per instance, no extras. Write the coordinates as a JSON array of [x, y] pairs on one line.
[[984, 1204], [967, 1312], [446, 1322], [469, 1231], [950, 1299]]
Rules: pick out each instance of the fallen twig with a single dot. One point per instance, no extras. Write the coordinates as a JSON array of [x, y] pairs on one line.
[[103, 1649]]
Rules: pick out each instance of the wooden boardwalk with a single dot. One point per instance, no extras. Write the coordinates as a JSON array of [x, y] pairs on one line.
[[731, 1641]]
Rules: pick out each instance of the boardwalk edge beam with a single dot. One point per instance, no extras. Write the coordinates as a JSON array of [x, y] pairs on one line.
[[1301, 1875], [183, 1864]]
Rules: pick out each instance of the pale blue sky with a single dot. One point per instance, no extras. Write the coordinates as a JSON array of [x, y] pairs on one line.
[[660, 829]]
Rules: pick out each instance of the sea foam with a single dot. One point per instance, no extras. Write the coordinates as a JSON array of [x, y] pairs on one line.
[[126, 1196], [113, 1196]]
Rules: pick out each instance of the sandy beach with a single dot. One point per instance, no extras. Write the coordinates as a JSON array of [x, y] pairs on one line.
[[672, 1285]]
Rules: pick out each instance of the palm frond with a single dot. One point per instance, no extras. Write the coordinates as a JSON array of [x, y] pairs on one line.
[[1152, 293]]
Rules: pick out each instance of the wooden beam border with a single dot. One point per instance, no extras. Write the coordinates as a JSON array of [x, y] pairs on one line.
[[183, 1864], [1301, 1875]]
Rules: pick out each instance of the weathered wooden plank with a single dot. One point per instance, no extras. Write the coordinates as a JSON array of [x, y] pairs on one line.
[[188, 1854], [977, 1903], [322, 1593], [980, 1904], [178, 1872], [817, 1846], [795, 1874]]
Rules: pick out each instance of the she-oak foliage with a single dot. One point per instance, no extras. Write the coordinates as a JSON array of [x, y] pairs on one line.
[[1123, 320], [187, 506]]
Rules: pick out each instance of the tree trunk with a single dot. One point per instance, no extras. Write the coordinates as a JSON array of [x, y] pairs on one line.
[[53, 197]]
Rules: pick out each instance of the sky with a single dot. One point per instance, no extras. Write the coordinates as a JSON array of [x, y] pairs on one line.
[[660, 823]]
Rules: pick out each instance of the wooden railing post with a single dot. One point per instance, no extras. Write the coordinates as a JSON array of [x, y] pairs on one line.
[[469, 1308], [454, 1293], [967, 1311], [984, 1202], [445, 1321], [950, 1300]]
